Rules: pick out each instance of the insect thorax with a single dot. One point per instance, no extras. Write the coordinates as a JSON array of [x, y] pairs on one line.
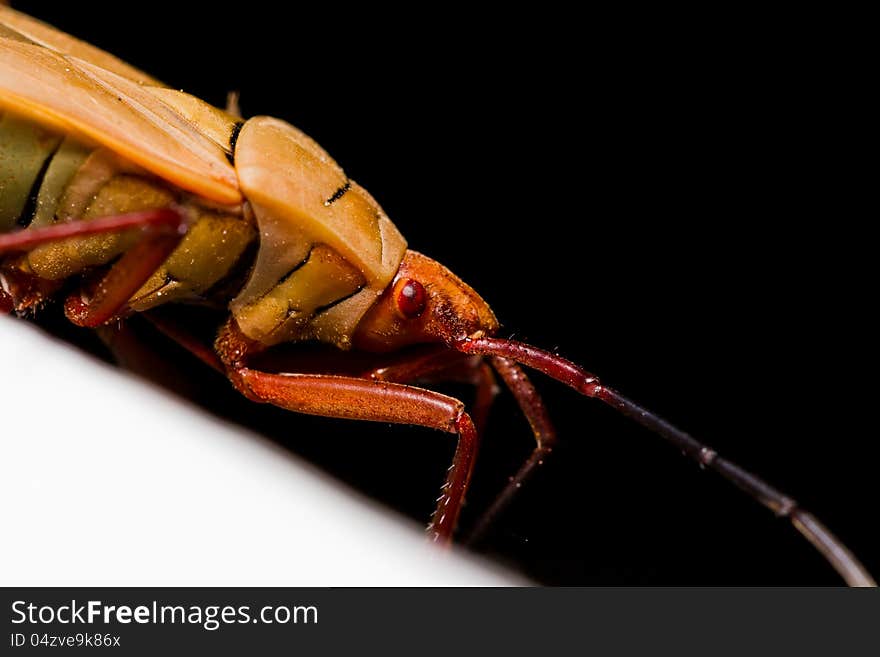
[[327, 250]]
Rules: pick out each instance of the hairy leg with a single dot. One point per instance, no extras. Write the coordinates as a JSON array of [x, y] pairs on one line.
[[161, 232], [377, 401]]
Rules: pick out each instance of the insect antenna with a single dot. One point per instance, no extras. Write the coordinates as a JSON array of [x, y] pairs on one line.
[[574, 376]]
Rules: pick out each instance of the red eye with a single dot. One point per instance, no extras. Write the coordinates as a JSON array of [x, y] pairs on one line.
[[411, 298]]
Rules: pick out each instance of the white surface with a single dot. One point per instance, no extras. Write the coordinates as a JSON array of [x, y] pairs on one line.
[[106, 481]]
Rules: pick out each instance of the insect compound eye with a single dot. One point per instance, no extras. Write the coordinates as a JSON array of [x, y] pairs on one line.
[[411, 298]]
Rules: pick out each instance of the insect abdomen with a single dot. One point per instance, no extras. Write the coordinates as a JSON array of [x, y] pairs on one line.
[[25, 150], [46, 178]]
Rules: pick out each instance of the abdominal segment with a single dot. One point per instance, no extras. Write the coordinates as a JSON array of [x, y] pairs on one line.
[[47, 178]]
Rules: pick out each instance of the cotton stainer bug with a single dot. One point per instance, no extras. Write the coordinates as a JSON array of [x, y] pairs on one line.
[[329, 265]]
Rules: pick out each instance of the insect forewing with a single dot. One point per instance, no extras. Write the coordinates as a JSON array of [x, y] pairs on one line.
[[74, 96]]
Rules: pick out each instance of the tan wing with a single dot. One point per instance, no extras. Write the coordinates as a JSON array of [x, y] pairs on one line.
[[15, 25], [75, 96]]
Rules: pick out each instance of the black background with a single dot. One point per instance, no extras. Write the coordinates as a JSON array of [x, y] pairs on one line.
[[672, 238]]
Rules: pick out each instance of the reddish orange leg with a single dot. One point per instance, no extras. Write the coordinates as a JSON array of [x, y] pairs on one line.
[[487, 390], [23, 291], [129, 273], [6, 304], [377, 395], [533, 408], [172, 329], [441, 366], [377, 401], [162, 230], [444, 366], [355, 398], [27, 238]]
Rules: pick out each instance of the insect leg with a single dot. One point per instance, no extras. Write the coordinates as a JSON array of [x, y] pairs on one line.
[[6, 304], [533, 408], [444, 366], [448, 366], [377, 401], [379, 397], [135, 348], [24, 290], [487, 390], [128, 274], [164, 219], [437, 366], [173, 330], [162, 229]]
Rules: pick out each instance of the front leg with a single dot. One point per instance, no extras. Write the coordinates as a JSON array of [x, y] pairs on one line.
[[377, 401], [359, 398], [440, 366], [445, 365]]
